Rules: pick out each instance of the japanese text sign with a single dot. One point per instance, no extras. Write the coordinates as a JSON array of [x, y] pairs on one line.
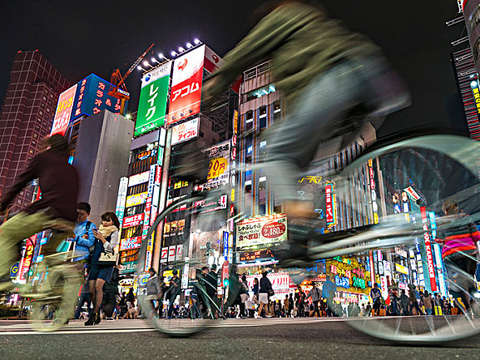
[[153, 99], [184, 132], [64, 111], [262, 230]]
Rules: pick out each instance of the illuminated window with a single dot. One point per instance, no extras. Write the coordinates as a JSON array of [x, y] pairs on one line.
[[261, 92]]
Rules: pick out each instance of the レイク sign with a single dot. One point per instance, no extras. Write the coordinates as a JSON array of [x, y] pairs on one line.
[[153, 99]]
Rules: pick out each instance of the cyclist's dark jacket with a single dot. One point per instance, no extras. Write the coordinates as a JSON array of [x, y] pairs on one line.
[[302, 43], [58, 182]]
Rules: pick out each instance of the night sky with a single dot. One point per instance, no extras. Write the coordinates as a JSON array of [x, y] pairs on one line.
[[82, 37]]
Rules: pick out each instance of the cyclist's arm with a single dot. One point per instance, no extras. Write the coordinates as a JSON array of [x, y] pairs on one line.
[[30, 174], [268, 35]]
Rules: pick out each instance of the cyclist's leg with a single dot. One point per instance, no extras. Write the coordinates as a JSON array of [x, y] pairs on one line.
[[12, 233]]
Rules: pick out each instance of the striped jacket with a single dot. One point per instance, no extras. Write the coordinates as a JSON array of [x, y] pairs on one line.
[[460, 236]]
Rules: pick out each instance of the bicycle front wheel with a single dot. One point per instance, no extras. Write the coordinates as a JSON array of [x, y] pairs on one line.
[[185, 307], [431, 190]]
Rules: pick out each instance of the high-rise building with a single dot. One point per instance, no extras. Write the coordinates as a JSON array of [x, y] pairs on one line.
[[27, 114]]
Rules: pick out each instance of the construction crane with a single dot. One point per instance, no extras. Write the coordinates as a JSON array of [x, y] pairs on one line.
[[118, 88]]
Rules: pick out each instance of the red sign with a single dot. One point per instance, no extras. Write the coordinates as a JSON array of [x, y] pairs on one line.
[[164, 255], [134, 220], [273, 229], [185, 95], [64, 111], [329, 204], [27, 258], [225, 267]]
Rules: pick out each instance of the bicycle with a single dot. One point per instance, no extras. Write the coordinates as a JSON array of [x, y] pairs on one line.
[[452, 162], [53, 295]]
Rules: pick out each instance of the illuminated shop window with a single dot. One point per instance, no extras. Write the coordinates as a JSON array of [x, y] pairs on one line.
[[262, 116]]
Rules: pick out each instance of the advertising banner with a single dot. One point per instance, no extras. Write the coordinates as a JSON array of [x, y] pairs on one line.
[[136, 199], [138, 178], [186, 131], [128, 267], [428, 250], [134, 220], [219, 167], [131, 243], [179, 254], [262, 230], [185, 95], [330, 205], [121, 198], [164, 255], [152, 105], [212, 60], [64, 111], [92, 97], [171, 253], [26, 260], [281, 283]]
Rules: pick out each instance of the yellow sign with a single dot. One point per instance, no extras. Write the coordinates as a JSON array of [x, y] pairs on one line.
[[235, 122], [401, 269], [137, 199], [218, 166], [232, 195]]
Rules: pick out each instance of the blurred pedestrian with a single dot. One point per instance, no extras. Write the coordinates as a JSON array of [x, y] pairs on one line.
[[265, 286], [154, 291], [315, 295], [110, 290], [173, 292], [376, 296]]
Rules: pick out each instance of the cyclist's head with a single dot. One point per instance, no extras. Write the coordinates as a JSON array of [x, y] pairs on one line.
[[56, 144], [110, 216], [214, 267], [83, 210]]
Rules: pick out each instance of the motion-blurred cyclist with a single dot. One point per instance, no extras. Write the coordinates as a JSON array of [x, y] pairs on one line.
[[333, 82], [56, 210]]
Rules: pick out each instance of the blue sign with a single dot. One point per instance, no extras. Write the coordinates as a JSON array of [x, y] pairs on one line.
[[92, 97], [225, 244], [342, 281], [14, 270]]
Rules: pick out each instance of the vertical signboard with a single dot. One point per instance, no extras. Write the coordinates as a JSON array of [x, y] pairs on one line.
[[428, 250], [146, 223], [153, 99], [26, 260], [371, 173], [330, 205], [121, 198], [185, 95], [64, 111]]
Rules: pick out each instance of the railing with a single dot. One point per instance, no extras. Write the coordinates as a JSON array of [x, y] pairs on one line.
[[257, 70]]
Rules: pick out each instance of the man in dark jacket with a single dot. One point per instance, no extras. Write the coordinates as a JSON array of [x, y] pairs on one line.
[[332, 80], [110, 290], [56, 210]]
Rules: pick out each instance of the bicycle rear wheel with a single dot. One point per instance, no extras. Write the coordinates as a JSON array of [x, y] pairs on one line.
[[402, 248], [53, 301], [187, 305]]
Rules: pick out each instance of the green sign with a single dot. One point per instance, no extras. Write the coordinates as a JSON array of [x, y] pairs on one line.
[[152, 105], [128, 267]]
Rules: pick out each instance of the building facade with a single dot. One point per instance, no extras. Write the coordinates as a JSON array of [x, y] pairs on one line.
[[27, 114]]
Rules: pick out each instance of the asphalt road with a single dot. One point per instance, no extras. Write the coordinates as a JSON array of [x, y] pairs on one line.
[[240, 339]]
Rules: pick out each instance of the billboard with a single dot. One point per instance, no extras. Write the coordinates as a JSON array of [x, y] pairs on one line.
[[121, 198], [262, 230], [184, 132], [185, 95], [64, 111], [152, 105], [92, 97], [219, 166]]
